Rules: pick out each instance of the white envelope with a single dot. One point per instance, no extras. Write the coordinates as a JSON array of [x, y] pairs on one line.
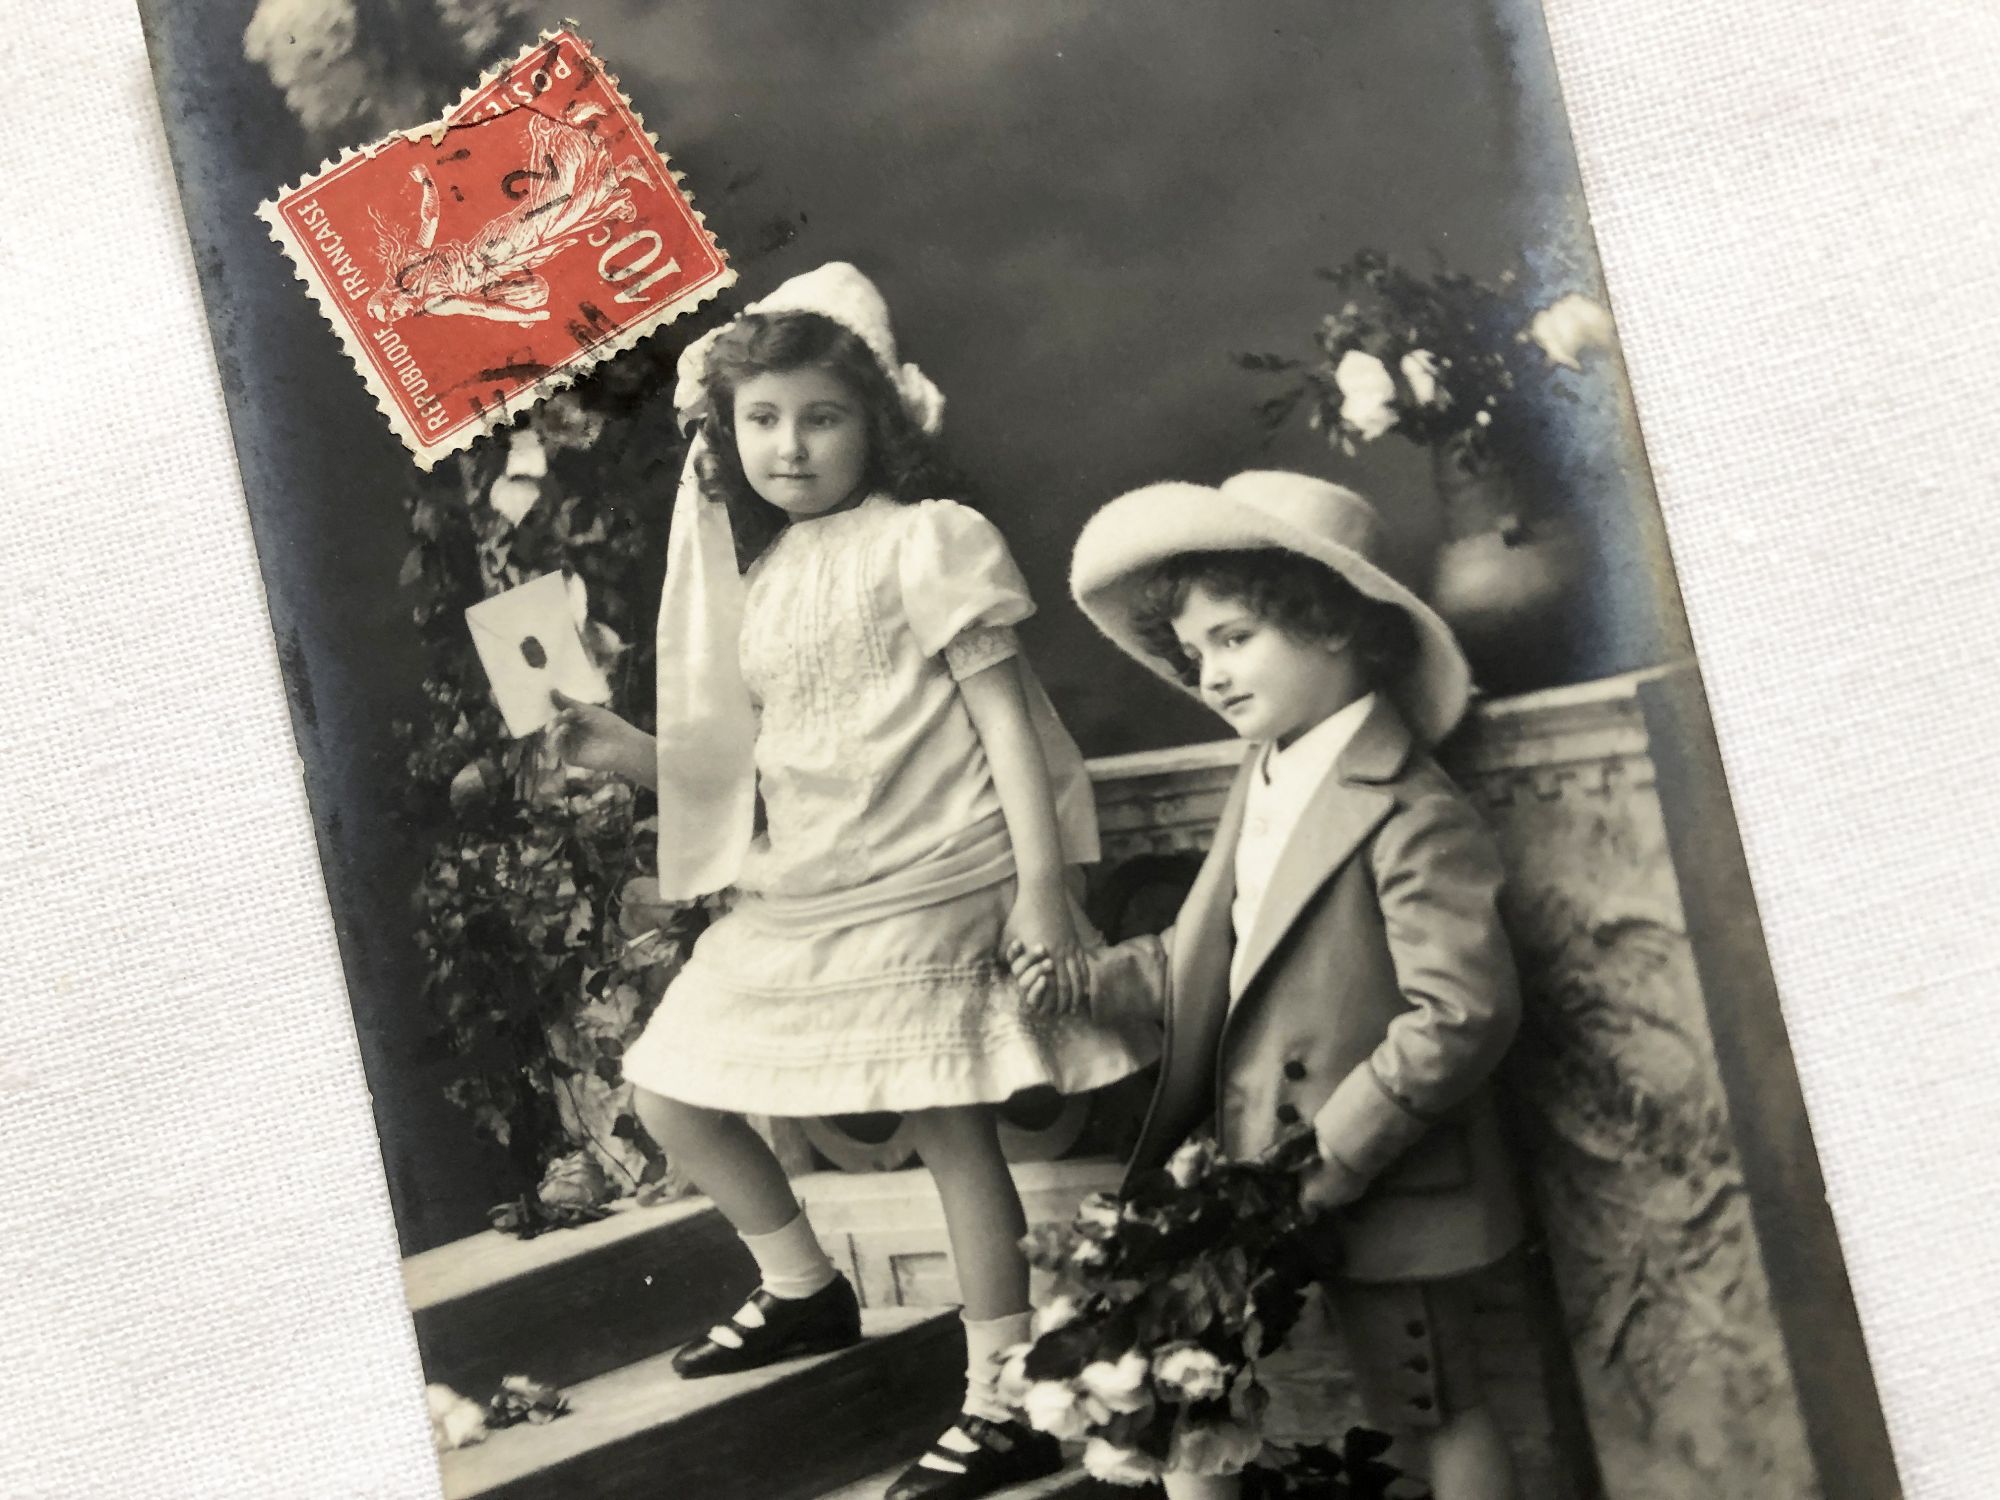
[[528, 642]]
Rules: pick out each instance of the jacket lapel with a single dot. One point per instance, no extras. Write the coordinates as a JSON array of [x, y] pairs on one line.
[[1345, 809], [1198, 997]]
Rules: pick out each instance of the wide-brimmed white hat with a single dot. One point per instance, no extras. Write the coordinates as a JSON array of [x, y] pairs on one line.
[[1129, 539]]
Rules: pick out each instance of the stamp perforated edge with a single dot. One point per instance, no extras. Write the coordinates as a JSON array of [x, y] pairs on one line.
[[427, 455]]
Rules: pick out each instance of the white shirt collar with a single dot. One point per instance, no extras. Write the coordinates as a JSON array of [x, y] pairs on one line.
[[1306, 762]]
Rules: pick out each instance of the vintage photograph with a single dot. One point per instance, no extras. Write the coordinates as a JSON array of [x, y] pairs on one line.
[[1005, 753]]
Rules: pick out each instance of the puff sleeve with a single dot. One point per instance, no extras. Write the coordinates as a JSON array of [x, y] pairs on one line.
[[962, 592]]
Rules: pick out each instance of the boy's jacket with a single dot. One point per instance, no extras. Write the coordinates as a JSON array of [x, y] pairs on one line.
[[1377, 1000]]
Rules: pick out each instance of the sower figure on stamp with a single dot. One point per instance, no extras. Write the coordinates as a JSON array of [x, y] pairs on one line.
[[1340, 957], [849, 739]]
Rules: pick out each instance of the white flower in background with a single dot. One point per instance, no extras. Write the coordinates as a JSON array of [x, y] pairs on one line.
[[1190, 1371], [1367, 392], [1420, 374], [455, 1421], [1116, 1465], [514, 495], [1570, 327], [1484, 418], [1053, 1406], [1120, 1384], [525, 453], [515, 492], [579, 598], [1058, 1312]]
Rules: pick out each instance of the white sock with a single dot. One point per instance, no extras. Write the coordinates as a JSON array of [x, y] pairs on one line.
[[985, 1341], [790, 1260]]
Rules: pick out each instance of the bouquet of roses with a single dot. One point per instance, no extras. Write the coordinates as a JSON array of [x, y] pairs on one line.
[[1164, 1300], [1442, 360]]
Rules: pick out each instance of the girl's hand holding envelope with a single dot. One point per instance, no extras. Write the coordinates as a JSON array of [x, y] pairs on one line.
[[595, 738]]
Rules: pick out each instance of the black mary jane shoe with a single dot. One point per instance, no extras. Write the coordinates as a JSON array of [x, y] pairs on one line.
[[774, 1328], [1009, 1453]]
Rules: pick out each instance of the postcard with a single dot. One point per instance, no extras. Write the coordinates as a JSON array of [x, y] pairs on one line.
[[1129, 883]]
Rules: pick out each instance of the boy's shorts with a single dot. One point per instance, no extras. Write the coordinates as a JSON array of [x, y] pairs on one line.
[[1412, 1347]]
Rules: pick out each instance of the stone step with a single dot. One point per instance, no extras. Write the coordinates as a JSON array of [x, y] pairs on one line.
[[574, 1303], [577, 1303], [1071, 1484], [787, 1432]]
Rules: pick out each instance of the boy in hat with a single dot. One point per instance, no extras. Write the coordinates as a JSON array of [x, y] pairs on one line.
[[1339, 958]]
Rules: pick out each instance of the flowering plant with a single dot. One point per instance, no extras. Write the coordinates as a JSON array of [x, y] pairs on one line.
[[1439, 360], [1163, 1301]]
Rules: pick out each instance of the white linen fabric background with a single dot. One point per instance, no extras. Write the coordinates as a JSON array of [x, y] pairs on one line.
[[198, 1279]]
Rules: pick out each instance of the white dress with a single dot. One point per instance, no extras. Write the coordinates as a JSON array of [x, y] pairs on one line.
[[871, 777]]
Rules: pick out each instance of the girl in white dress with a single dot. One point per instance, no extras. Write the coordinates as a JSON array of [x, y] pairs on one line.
[[851, 741]]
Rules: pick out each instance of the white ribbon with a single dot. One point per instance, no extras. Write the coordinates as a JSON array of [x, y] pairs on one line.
[[707, 729]]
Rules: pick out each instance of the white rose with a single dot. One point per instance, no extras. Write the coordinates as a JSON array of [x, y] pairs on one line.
[[1571, 327], [1189, 1371], [1058, 1312], [1089, 1255], [1099, 1210], [1120, 1384], [1368, 393], [455, 1421], [1191, 1163], [1054, 1407], [1420, 372], [1014, 1381], [1115, 1465]]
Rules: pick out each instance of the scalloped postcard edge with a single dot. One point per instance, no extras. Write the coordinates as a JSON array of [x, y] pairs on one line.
[[504, 414]]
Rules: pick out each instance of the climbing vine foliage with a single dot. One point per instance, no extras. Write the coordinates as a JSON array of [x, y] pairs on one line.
[[545, 944]]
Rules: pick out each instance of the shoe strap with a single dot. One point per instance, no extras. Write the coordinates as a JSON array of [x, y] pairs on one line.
[[747, 1319]]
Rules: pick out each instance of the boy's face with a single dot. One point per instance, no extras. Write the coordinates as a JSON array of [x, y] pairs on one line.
[[1269, 684]]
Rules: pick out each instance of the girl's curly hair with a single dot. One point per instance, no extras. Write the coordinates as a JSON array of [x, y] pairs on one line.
[[1299, 595], [903, 463]]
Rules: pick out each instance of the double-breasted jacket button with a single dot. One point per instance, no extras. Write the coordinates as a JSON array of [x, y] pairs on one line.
[[1288, 1114], [1414, 1328], [1421, 1403], [1421, 1365], [1294, 1069]]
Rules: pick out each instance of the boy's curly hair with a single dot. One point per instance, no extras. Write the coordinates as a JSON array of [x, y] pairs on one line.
[[902, 461], [1299, 595]]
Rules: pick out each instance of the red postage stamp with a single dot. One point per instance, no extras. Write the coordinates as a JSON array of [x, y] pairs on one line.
[[478, 263]]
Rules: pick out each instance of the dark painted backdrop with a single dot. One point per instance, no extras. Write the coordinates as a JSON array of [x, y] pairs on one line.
[[1078, 213]]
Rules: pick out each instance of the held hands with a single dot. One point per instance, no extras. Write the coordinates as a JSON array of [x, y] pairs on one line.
[[587, 735], [1041, 947]]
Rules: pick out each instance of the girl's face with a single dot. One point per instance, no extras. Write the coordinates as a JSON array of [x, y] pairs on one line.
[[802, 438]]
